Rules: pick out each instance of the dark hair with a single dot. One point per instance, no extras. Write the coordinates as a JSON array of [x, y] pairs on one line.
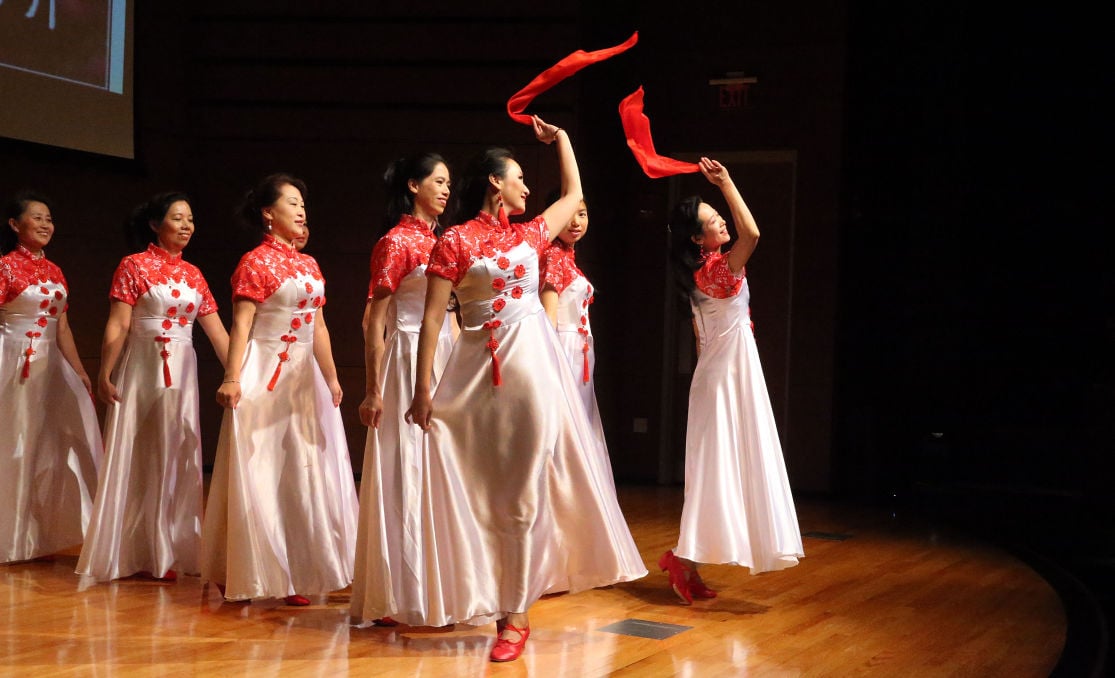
[[265, 193], [14, 210], [684, 253], [396, 179], [474, 184], [138, 229]]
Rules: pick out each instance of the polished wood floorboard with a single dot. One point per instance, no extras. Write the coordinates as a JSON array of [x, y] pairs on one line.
[[897, 598]]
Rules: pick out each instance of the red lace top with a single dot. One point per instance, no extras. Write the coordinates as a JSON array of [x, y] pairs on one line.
[[19, 269], [262, 270], [559, 266], [137, 273], [403, 249], [716, 279], [482, 236]]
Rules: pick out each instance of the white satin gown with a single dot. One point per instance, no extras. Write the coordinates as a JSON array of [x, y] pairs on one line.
[[147, 516], [513, 505], [390, 543], [281, 515], [738, 506], [50, 444], [574, 332]]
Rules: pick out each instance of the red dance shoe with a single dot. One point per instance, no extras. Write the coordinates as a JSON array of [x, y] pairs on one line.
[[698, 589], [509, 650], [169, 575], [297, 600], [679, 576]]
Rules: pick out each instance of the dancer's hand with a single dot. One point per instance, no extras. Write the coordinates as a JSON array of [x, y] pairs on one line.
[[106, 391], [371, 410], [420, 411], [716, 173], [84, 377], [228, 395], [335, 390], [544, 131]]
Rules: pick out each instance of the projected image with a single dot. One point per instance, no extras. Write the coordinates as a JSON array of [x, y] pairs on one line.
[[78, 41]]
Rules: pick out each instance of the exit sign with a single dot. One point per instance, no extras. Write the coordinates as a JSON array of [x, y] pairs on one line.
[[732, 91]]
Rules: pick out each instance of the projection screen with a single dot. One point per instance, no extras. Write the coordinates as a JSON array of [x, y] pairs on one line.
[[66, 74]]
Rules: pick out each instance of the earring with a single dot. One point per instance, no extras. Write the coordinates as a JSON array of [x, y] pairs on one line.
[[268, 224]]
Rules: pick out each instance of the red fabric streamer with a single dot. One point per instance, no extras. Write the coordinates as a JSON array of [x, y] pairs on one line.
[[636, 127], [558, 72]]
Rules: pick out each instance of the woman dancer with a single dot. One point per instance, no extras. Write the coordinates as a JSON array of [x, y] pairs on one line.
[[738, 508], [389, 538], [566, 295], [50, 446], [518, 509], [281, 517], [147, 517]]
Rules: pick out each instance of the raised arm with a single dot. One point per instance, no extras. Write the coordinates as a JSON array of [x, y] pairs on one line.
[[116, 333], [243, 313], [746, 228], [559, 214], [437, 297], [375, 321]]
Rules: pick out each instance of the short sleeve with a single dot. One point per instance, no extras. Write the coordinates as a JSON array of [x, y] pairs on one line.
[[389, 260], [537, 234], [125, 283], [5, 281], [448, 259], [716, 279], [251, 282], [551, 265]]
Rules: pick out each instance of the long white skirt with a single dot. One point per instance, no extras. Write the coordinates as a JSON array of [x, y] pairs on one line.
[[282, 508], [738, 506]]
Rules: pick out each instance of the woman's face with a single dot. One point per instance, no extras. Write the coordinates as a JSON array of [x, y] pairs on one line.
[[513, 188], [176, 228], [432, 193], [576, 228], [34, 227], [714, 230], [287, 215]]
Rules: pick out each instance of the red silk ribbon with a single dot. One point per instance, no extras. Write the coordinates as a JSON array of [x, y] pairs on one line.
[[636, 127], [558, 72]]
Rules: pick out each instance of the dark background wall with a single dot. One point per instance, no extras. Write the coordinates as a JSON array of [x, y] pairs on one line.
[[928, 181]]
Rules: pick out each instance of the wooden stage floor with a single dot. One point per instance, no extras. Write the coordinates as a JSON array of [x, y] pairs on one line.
[[875, 595]]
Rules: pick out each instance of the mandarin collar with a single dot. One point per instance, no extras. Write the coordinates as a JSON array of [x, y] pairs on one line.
[[163, 254], [411, 221], [488, 220], [273, 242], [23, 251]]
